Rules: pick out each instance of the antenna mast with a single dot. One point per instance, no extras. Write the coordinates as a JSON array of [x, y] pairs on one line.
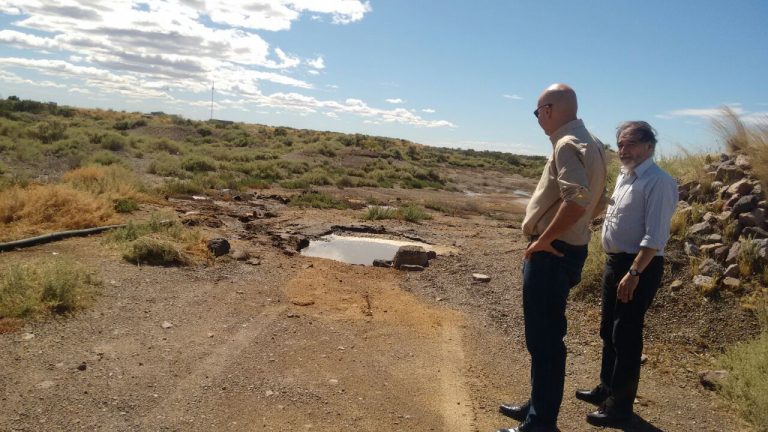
[[212, 86]]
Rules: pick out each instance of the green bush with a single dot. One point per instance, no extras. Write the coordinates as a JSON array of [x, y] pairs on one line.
[[126, 205], [59, 286], [413, 213], [105, 158], [317, 200], [379, 212], [747, 382], [198, 164], [49, 131], [154, 251]]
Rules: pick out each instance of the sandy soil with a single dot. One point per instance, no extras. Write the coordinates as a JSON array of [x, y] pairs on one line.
[[307, 344]]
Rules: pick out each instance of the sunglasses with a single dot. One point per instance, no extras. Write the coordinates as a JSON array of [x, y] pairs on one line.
[[536, 113]]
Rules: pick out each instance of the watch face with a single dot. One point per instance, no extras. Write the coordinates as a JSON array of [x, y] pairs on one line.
[[634, 272]]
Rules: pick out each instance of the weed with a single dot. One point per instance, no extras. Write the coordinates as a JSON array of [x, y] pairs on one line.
[[592, 272], [413, 213], [126, 205], [747, 382], [31, 288], [317, 200], [154, 251], [749, 258], [377, 212]]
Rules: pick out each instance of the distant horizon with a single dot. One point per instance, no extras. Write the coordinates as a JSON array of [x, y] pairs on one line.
[[444, 74]]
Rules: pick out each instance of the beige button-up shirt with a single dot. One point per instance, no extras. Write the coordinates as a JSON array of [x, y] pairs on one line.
[[574, 172]]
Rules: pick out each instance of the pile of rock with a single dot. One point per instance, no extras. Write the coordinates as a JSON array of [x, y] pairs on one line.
[[736, 214]]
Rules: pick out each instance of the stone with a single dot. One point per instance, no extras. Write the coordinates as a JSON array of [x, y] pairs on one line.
[[708, 249], [82, 366], [724, 216], [754, 232], [729, 173], [691, 249], [410, 255], [218, 246], [702, 281], [733, 253], [754, 218], [725, 157], [431, 255], [701, 229], [731, 271], [714, 238], [743, 162], [166, 325], [720, 253], [27, 336], [676, 285], [410, 267], [713, 379], [479, 277], [731, 284], [745, 204], [382, 263], [731, 202], [710, 267], [763, 204], [241, 255], [741, 187], [303, 302], [716, 185]]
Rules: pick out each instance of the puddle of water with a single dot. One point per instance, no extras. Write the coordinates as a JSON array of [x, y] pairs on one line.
[[356, 250]]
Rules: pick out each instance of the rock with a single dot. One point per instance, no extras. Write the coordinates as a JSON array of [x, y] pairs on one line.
[[714, 238], [711, 380], [745, 204], [241, 255], [709, 217], [703, 282], [731, 202], [691, 249], [763, 204], [708, 249], [410, 255], [754, 232], [743, 162], [731, 271], [754, 218], [701, 229], [382, 263], [479, 277], [166, 325], [729, 173], [720, 253], [724, 216], [218, 246], [431, 255], [82, 366], [27, 336], [741, 187], [676, 285], [725, 157], [733, 253], [710, 267], [411, 267], [643, 359], [45, 384], [716, 185], [254, 261], [333, 381], [303, 302], [731, 284]]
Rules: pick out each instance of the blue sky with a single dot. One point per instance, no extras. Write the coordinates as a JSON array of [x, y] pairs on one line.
[[448, 73]]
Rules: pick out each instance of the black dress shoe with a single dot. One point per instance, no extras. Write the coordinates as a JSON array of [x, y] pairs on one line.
[[530, 427], [596, 396], [603, 417], [517, 412]]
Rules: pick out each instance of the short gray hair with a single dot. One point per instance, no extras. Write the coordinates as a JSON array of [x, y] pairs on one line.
[[640, 130]]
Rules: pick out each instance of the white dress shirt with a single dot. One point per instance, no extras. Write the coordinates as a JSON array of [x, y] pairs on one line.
[[640, 210]]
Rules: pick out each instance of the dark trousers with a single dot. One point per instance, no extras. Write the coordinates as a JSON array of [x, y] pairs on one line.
[[547, 279], [621, 328]]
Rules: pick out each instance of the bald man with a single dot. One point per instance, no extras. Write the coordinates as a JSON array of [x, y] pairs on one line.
[[570, 193]]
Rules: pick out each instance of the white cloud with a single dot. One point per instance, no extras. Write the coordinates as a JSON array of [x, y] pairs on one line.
[[513, 97], [155, 50], [317, 63], [428, 110]]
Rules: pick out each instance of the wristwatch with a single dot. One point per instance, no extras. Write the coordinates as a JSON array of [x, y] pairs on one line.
[[633, 272]]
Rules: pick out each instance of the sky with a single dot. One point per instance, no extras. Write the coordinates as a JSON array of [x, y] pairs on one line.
[[447, 73]]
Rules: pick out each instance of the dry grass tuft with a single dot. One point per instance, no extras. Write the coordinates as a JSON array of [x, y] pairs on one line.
[[43, 208], [748, 138], [592, 272], [747, 383], [113, 182]]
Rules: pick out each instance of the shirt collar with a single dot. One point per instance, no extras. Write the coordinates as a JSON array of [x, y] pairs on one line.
[[565, 129], [640, 169]]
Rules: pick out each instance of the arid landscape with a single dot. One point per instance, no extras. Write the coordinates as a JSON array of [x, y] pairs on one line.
[[265, 338]]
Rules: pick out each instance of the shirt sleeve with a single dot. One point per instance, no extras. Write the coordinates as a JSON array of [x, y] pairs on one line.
[[661, 202], [572, 173]]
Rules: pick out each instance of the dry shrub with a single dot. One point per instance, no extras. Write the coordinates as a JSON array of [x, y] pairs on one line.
[[44, 208], [747, 383], [113, 181], [592, 272]]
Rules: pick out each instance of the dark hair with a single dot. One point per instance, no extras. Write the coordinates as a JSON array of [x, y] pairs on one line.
[[640, 130]]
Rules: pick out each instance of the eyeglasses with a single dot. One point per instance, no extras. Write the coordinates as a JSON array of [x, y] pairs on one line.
[[536, 113]]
